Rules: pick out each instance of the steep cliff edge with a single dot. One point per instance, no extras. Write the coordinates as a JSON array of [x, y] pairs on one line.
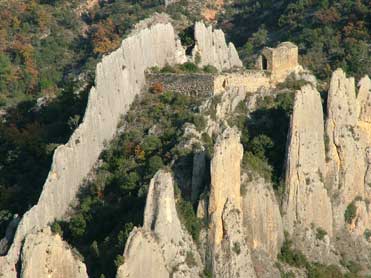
[[348, 140], [162, 248], [119, 78], [308, 202], [261, 216], [45, 255]]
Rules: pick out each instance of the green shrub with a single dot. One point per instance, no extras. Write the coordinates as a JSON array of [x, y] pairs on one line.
[[56, 228], [292, 256], [190, 259], [367, 234], [236, 248], [320, 233], [154, 164], [350, 213], [189, 67], [257, 164], [189, 218], [210, 69]]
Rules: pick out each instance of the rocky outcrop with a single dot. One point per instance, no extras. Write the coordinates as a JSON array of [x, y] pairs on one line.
[[119, 78], [232, 257], [307, 201], [212, 49], [142, 257], [162, 246], [348, 133], [225, 180], [46, 255], [261, 216]]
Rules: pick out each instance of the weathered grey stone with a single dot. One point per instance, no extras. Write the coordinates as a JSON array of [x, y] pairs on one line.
[[163, 235], [45, 255], [264, 266], [261, 217], [9, 234], [232, 257], [143, 257], [307, 201], [211, 49], [119, 78], [348, 135]]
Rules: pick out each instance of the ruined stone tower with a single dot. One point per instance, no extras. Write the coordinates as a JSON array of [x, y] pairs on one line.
[[279, 61]]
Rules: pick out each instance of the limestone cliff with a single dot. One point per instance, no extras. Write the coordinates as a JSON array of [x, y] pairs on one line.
[[212, 49], [162, 248], [45, 255], [307, 202], [348, 139], [225, 180], [232, 257], [261, 216], [119, 78]]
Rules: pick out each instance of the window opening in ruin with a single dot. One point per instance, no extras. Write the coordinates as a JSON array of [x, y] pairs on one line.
[[264, 63]]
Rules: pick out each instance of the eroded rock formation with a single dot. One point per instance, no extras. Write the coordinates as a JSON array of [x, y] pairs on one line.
[[261, 216], [232, 257], [212, 49], [119, 78], [308, 202], [162, 245], [225, 180], [348, 140], [46, 255]]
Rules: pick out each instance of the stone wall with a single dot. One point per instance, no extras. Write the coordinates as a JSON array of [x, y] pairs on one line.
[[251, 81], [119, 78], [196, 84]]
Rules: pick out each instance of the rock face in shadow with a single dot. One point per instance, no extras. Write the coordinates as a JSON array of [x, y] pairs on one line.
[[308, 202], [212, 49], [119, 78], [45, 255], [261, 217], [162, 246]]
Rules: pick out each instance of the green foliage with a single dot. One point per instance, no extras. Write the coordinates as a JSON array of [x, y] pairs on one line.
[[320, 233], [350, 213], [113, 203], [263, 143], [56, 228], [330, 34], [321, 271], [210, 69], [236, 247], [189, 218], [292, 256], [190, 259], [367, 234]]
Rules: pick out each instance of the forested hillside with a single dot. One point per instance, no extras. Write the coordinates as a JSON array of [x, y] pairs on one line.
[[330, 34]]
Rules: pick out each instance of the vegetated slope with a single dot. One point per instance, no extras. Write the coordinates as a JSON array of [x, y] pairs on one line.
[[47, 50], [113, 202], [330, 34]]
